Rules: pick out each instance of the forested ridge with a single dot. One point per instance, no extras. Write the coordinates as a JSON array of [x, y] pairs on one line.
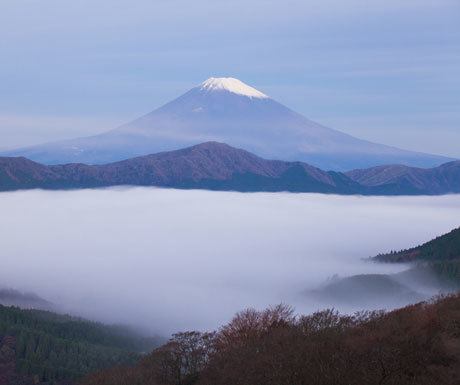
[[443, 248], [49, 347], [418, 344], [440, 256]]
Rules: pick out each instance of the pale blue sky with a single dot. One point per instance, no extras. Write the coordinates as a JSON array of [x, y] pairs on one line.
[[387, 71]]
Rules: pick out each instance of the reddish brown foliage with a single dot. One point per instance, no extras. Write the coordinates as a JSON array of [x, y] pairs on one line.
[[419, 344]]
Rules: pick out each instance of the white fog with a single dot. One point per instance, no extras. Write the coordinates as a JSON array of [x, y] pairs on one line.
[[169, 260]]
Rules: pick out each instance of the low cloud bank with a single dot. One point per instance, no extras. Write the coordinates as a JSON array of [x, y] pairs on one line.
[[167, 260]]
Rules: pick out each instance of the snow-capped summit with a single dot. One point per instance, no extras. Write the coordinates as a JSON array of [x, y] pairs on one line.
[[233, 85]]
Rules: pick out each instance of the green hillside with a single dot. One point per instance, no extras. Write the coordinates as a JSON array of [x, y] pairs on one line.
[[443, 248], [52, 347]]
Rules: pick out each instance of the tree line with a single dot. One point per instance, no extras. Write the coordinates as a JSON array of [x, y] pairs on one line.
[[419, 344], [52, 347]]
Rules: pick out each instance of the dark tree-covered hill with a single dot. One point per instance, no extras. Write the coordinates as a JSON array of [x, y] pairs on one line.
[[46, 347], [443, 248]]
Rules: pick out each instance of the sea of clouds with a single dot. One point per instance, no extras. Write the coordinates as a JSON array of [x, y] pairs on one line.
[[169, 260]]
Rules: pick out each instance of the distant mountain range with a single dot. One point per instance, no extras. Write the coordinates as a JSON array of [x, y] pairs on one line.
[[227, 110], [398, 179], [218, 166]]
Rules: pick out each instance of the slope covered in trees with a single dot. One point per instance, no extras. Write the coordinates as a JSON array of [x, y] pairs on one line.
[[419, 344], [443, 248], [441, 256], [48, 347]]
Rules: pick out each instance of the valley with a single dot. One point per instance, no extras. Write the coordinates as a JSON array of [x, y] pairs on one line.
[[418, 342], [242, 192]]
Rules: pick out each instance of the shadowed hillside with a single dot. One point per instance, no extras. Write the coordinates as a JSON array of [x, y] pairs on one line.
[[443, 248], [435, 263], [44, 347]]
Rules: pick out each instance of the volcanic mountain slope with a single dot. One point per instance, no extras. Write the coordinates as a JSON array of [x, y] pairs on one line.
[[399, 179], [227, 110], [209, 165]]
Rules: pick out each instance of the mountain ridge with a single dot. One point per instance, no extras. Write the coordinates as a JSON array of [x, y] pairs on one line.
[[209, 165], [410, 180]]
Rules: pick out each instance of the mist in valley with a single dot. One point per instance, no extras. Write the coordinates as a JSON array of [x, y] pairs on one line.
[[169, 260]]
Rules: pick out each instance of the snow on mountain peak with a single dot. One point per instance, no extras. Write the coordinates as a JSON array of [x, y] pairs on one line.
[[231, 85]]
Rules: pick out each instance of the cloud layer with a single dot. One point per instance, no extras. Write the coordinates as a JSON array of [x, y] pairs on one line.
[[168, 259]]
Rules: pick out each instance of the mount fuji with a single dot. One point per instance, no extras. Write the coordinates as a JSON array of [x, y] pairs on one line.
[[227, 110]]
